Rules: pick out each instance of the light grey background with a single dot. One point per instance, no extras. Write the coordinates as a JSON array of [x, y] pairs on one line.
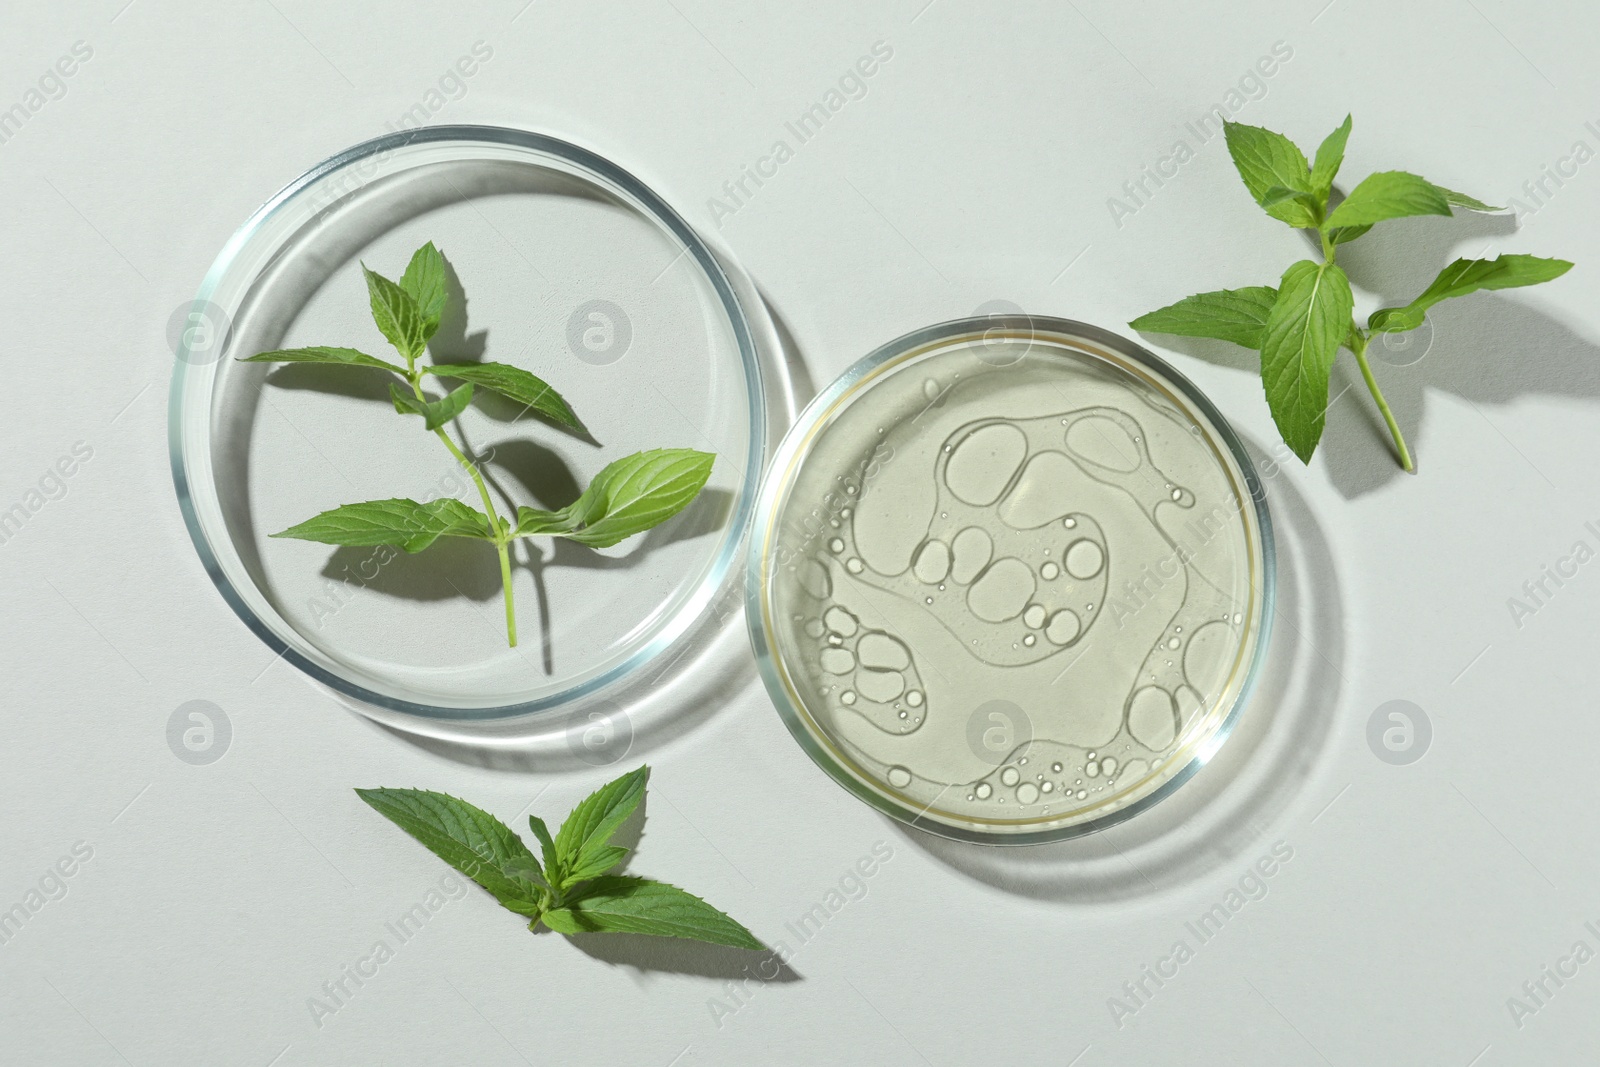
[[1419, 897]]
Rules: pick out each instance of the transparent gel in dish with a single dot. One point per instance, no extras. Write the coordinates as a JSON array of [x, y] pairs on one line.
[[1011, 579]]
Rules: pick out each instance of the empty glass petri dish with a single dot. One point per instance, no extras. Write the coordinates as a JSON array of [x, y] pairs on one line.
[[561, 263], [1010, 579]]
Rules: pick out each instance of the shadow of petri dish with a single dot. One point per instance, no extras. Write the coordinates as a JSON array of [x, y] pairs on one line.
[[571, 269]]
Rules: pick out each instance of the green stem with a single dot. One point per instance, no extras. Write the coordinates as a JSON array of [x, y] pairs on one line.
[[501, 534], [1359, 347], [505, 584]]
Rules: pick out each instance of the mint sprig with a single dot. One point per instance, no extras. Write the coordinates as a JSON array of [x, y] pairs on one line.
[[571, 890], [1300, 325], [627, 497]]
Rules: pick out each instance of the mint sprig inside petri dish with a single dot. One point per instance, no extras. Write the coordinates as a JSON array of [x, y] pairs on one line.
[[627, 497]]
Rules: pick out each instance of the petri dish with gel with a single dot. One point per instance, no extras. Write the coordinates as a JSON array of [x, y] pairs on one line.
[[1010, 579]]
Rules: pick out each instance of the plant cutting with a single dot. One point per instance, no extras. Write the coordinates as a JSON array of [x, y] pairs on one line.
[[627, 497], [573, 890], [1300, 325]]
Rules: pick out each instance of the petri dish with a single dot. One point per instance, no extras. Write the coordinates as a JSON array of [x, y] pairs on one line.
[[1010, 579], [562, 263]]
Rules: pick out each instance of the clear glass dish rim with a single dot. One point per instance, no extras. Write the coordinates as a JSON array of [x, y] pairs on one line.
[[775, 484], [664, 216]]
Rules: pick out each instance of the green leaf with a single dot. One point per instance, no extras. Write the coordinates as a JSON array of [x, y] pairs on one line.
[[1389, 194], [531, 521], [638, 492], [526, 868], [620, 904], [402, 522], [1330, 155], [1266, 159], [1278, 194], [515, 383], [1468, 276], [594, 863], [396, 314], [1463, 200], [589, 826], [1302, 336], [435, 413], [342, 357], [629, 496], [469, 839], [552, 859], [424, 281], [1340, 235], [1236, 315]]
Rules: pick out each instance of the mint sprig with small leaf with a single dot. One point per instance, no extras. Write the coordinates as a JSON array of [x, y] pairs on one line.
[[572, 889], [627, 497], [1299, 325]]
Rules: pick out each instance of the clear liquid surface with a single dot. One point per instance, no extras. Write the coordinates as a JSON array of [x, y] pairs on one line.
[[1011, 583]]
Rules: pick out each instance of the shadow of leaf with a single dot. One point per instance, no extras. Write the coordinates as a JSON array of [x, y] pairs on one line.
[[1398, 259], [451, 343], [451, 567], [1487, 348], [357, 383], [673, 955], [539, 470]]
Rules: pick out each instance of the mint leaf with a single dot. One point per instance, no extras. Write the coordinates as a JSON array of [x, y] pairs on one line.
[[515, 383], [1236, 315], [1389, 194], [547, 848], [1463, 200], [589, 826], [627, 497], [592, 864], [1330, 156], [571, 893], [344, 357], [1340, 235], [424, 281], [1278, 194], [1308, 321], [402, 522], [469, 839], [1300, 326], [435, 413], [1265, 159], [396, 315], [531, 521], [1468, 276], [620, 904]]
